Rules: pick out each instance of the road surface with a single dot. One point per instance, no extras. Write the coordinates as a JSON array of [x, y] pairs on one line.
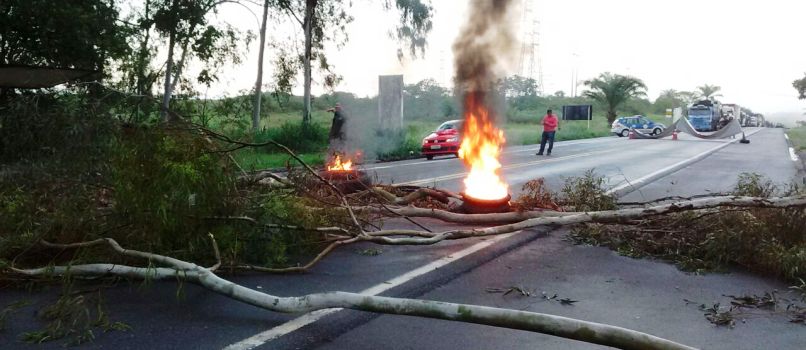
[[635, 293]]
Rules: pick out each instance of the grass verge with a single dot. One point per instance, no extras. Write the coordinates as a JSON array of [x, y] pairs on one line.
[[798, 138]]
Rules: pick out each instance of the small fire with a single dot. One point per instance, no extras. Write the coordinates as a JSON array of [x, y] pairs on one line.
[[480, 149], [338, 165]]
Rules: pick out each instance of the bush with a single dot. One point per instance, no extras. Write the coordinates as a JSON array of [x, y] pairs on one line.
[[396, 145], [587, 193], [65, 126], [296, 136], [754, 185], [162, 191], [164, 183], [763, 240]]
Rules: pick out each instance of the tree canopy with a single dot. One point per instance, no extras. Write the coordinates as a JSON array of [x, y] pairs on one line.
[[33, 32], [800, 85], [613, 90], [325, 21], [518, 86], [709, 92]]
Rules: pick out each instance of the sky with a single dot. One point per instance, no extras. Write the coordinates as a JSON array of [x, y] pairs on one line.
[[750, 48]]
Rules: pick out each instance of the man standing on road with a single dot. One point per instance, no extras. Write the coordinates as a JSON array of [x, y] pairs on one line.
[[550, 125], [337, 136]]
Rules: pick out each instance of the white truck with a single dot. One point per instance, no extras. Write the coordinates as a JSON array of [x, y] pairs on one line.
[[730, 111]]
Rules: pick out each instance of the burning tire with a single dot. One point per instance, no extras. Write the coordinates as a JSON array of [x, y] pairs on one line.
[[472, 205], [347, 181]]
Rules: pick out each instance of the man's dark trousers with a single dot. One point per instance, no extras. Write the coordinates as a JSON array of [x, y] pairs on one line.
[[547, 136]]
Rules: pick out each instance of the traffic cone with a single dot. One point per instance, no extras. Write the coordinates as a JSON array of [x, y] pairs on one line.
[[674, 135], [744, 139], [632, 134]]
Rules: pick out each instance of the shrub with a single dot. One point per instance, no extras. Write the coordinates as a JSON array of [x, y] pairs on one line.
[[163, 182], [765, 240], [296, 136], [55, 126], [587, 193], [396, 145]]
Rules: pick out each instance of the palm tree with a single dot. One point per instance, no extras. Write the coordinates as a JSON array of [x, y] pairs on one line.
[[687, 97], [709, 92], [669, 94], [613, 90]]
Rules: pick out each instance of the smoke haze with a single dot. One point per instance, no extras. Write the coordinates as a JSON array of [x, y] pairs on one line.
[[486, 45]]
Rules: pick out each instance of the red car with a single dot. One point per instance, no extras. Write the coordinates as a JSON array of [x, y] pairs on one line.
[[445, 140]]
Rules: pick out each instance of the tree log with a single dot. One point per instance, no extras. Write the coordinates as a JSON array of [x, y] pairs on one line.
[[568, 218]]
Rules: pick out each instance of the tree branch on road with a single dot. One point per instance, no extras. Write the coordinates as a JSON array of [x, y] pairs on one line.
[[176, 269]]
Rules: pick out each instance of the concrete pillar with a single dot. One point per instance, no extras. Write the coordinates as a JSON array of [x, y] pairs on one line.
[[390, 102]]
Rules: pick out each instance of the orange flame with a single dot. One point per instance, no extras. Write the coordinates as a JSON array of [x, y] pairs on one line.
[[337, 164], [480, 150]]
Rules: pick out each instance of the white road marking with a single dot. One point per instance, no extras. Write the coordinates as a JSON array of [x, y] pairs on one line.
[[311, 317], [793, 155], [629, 186], [787, 136], [506, 167], [519, 150]]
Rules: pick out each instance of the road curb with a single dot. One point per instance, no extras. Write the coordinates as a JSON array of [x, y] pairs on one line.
[[632, 186]]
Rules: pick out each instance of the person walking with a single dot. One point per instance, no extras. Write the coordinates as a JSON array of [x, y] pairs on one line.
[[550, 125]]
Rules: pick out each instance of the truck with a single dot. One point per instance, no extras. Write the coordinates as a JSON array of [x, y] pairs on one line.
[[704, 115], [731, 111]]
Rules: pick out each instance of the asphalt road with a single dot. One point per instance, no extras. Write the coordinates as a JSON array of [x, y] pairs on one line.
[[639, 294]]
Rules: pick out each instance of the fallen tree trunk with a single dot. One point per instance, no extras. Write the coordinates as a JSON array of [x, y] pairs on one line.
[[511, 223], [469, 219], [413, 237], [585, 331]]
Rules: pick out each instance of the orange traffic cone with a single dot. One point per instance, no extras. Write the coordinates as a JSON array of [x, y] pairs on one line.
[[674, 135]]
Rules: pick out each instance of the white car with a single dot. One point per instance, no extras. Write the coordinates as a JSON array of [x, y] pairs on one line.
[[621, 126]]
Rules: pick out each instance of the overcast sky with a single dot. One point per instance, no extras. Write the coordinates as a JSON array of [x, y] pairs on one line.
[[751, 48]]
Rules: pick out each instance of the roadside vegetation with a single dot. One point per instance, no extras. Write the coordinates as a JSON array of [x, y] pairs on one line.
[[136, 155], [797, 136], [426, 109], [766, 241]]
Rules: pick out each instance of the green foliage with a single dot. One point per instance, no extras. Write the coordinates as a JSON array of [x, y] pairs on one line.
[[768, 241], [708, 92], [277, 247], [670, 99], [398, 145], [163, 182], [587, 193], [251, 159], [518, 86], [800, 85], [34, 32], [754, 185], [296, 136], [613, 90], [798, 137], [427, 100], [75, 316], [414, 26], [67, 125]]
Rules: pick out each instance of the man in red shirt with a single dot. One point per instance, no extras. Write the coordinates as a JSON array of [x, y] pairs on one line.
[[550, 125]]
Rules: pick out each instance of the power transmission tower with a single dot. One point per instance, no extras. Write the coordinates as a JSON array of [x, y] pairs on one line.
[[531, 62]]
